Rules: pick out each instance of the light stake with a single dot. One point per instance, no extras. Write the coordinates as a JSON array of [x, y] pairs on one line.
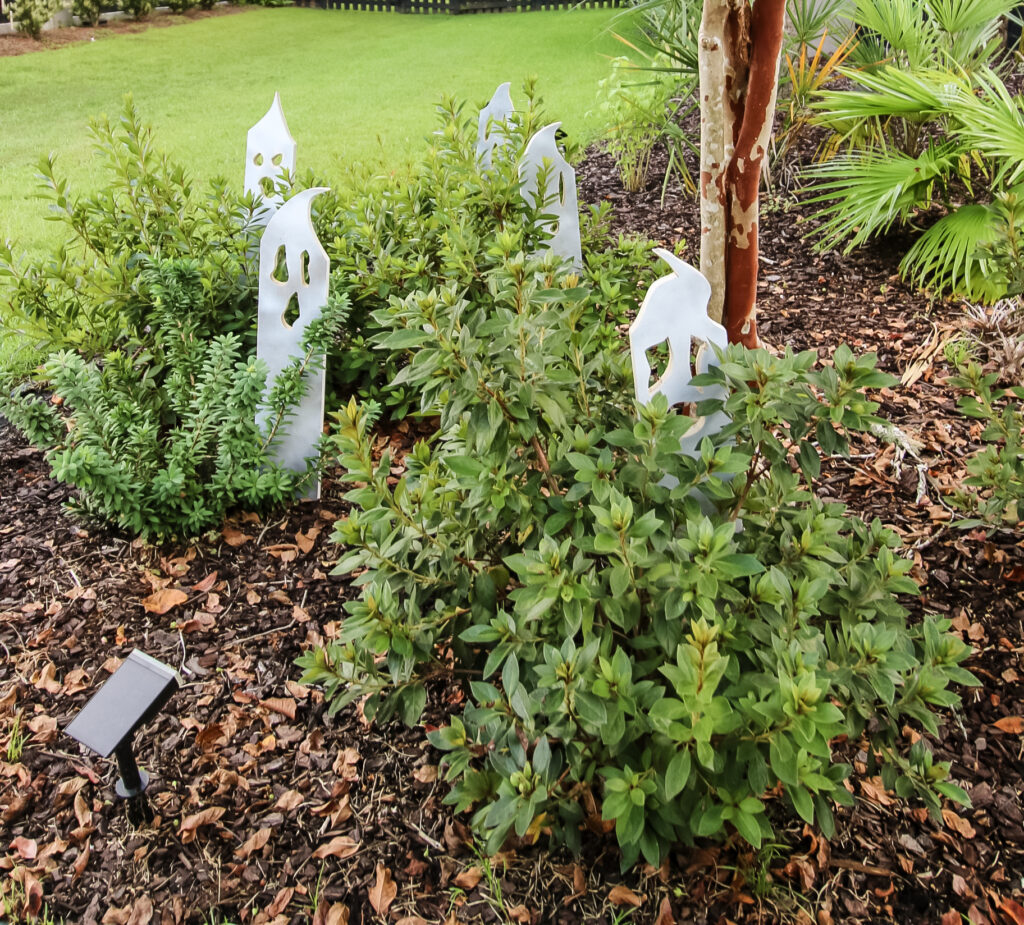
[[132, 696]]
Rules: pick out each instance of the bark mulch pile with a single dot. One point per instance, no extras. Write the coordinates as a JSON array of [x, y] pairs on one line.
[[270, 810]]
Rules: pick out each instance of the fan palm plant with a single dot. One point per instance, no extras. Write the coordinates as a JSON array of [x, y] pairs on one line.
[[868, 190]]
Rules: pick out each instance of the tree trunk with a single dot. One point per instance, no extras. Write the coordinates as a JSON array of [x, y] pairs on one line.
[[739, 49]]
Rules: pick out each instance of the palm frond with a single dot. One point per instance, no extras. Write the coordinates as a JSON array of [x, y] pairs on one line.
[[921, 96], [868, 191], [993, 123], [946, 257]]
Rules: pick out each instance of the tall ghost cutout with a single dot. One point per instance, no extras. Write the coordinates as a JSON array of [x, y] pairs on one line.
[[491, 127], [294, 271], [675, 310], [269, 152], [560, 195]]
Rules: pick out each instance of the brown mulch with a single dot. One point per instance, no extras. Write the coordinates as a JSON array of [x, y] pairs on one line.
[[18, 44], [269, 809]]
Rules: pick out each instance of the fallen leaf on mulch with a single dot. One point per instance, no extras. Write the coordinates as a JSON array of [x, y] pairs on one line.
[[289, 800], [234, 537], [254, 842], [665, 916], [280, 903], [468, 879], [283, 705], [1012, 910], [1011, 724], [341, 846], [383, 892], [27, 848], [191, 824], [33, 892], [338, 914], [624, 896], [162, 601], [426, 774], [958, 824]]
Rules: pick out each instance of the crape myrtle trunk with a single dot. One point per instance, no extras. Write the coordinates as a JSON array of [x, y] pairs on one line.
[[739, 47]]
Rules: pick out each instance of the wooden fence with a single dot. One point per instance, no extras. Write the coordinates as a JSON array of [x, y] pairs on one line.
[[455, 7]]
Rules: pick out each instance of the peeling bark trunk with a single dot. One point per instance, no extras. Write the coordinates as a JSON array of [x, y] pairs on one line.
[[739, 70], [714, 156]]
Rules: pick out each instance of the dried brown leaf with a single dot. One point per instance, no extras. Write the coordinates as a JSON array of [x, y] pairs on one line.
[[191, 824], [623, 896], [665, 916], [161, 602], [280, 903], [142, 912], [27, 848], [234, 537], [283, 705], [254, 842], [958, 824], [383, 891], [341, 846], [289, 800], [1011, 724], [469, 878], [426, 774]]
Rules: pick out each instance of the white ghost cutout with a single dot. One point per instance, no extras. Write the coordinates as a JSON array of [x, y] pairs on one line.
[[269, 152], [491, 127], [561, 202], [675, 310], [303, 280]]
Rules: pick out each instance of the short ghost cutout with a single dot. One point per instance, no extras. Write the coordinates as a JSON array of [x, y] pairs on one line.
[[269, 152], [294, 271], [559, 199], [491, 132], [675, 310]]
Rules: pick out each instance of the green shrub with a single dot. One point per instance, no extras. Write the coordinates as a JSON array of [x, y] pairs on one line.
[[449, 224], [86, 296], [996, 472], [183, 6], [137, 9], [160, 438], [667, 656], [87, 11], [637, 107], [32, 15]]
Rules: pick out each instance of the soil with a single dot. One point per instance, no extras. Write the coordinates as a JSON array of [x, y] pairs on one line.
[[18, 44], [269, 809]]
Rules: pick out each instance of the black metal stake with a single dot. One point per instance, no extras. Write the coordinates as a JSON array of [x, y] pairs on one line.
[[132, 785]]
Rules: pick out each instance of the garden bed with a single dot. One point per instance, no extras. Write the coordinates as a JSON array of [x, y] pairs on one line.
[[268, 809]]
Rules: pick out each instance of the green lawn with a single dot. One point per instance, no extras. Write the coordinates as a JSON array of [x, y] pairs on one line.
[[356, 87]]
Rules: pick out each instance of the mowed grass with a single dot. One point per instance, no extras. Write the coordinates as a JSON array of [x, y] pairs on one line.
[[357, 88]]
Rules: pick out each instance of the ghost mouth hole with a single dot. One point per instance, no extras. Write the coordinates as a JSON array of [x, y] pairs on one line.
[[267, 187], [291, 313]]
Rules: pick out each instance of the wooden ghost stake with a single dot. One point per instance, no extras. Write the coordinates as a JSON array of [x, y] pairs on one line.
[[269, 152], [294, 272], [675, 310], [559, 198], [491, 132]]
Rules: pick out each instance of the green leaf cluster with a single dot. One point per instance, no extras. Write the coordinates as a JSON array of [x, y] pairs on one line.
[[996, 472], [87, 295], [448, 223], [667, 641], [160, 436]]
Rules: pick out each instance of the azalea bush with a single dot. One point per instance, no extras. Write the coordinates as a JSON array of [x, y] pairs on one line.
[[449, 223], [664, 644]]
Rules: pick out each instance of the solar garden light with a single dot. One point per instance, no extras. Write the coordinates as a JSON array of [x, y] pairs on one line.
[[130, 697]]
